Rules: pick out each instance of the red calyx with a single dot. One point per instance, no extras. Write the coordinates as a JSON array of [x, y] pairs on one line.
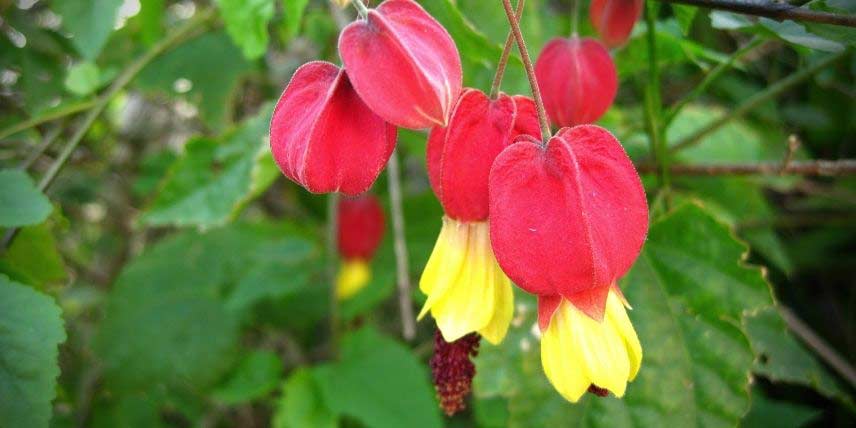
[[361, 226], [324, 137], [403, 63], [578, 80], [614, 19], [460, 155], [568, 220]]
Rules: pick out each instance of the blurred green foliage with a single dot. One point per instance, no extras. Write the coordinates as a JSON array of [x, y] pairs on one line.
[[171, 277]]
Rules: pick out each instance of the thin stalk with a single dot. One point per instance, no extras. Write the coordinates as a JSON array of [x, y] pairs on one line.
[[332, 267], [575, 18], [711, 76], [530, 71], [506, 52], [362, 10], [47, 117], [48, 139], [402, 266], [653, 103], [754, 101]]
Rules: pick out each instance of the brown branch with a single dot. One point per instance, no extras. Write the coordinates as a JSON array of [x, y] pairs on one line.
[[777, 11], [807, 168], [402, 266]]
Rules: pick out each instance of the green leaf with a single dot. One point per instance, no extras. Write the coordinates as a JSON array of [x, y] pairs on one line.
[[302, 404], [166, 321], [83, 78], [258, 374], [33, 257], [247, 21], [21, 203], [797, 34], [90, 23], [196, 61], [284, 273], [766, 412], [380, 383], [672, 49], [690, 293], [31, 328], [151, 24], [781, 358], [293, 10], [214, 179], [685, 16]]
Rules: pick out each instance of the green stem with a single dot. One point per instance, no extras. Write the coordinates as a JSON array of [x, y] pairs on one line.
[[47, 117], [653, 103], [530, 71], [711, 76], [754, 101], [506, 52], [362, 10], [575, 17], [402, 266], [332, 267]]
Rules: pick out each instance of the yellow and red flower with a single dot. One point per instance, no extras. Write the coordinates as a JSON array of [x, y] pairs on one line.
[[361, 226], [566, 222], [467, 291]]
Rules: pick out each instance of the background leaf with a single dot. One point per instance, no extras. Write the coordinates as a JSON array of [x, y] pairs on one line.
[[31, 328], [21, 203], [90, 23], [246, 22]]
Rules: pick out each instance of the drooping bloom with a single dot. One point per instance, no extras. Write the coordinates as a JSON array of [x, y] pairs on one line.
[[614, 19], [578, 80], [361, 226], [467, 291], [566, 222], [323, 137], [404, 64]]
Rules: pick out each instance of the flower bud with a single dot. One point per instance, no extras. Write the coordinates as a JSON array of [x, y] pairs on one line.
[[403, 63], [361, 227], [614, 19], [323, 137], [578, 80]]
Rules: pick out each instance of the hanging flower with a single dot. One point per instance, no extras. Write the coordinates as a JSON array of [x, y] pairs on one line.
[[361, 226], [467, 291], [614, 19], [403, 63], [578, 80], [567, 221], [323, 137]]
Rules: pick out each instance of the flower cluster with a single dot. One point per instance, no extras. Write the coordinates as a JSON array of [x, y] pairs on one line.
[[563, 216]]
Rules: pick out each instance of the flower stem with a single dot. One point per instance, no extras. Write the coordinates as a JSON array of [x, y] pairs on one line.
[[530, 71], [362, 10], [332, 267], [402, 267], [506, 52], [653, 103], [575, 17]]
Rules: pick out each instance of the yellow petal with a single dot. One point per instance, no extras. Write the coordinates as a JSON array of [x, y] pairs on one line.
[[353, 277], [577, 351], [467, 291]]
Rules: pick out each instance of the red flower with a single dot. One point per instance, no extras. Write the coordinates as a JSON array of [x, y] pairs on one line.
[[567, 221], [361, 227], [614, 19], [324, 137], [403, 63], [467, 291], [578, 80]]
